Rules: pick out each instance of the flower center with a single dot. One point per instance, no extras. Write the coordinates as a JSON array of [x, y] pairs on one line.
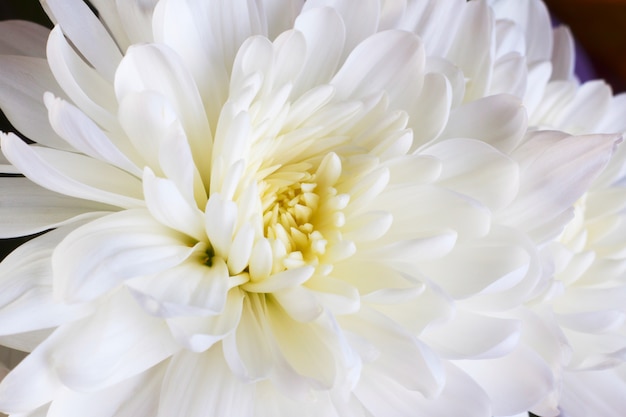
[[302, 213]]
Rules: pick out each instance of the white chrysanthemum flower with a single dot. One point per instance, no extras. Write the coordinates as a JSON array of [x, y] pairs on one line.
[[586, 299], [273, 208]]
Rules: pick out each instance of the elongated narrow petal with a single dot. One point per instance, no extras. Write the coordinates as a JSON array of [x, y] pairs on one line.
[[26, 208]]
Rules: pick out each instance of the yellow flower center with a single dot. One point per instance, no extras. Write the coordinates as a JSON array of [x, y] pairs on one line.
[[302, 214]]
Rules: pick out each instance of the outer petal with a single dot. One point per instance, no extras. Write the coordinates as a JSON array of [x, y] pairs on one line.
[[26, 208], [136, 396], [499, 120], [201, 384], [19, 37], [84, 135], [23, 81], [73, 174], [390, 61], [514, 383], [189, 289], [157, 68], [475, 169], [118, 342], [555, 172], [87, 33], [26, 301], [101, 255], [81, 82]]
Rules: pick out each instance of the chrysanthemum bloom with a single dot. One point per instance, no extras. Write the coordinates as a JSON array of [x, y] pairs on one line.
[[273, 209], [586, 299]]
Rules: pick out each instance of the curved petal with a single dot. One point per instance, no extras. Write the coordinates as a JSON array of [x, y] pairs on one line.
[[81, 82], [87, 33], [23, 81], [157, 68], [476, 169], [73, 174], [391, 61], [136, 396], [498, 120], [100, 255], [514, 383], [324, 34], [26, 208], [20, 37], [118, 342], [189, 289], [166, 204], [84, 135], [555, 171], [360, 18], [201, 384], [198, 334], [398, 355]]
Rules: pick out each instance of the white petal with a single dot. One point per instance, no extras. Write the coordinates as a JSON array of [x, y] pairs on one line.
[[198, 334], [499, 120], [81, 82], [474, 58], [272, 401], [26, 208], [133, 397], [247, 349], [556, 170], [324, 33], [514, 383], [182, 26], [360, 18], [241, 249], [390, 61], [475, 169], [220, 217], [589, 106], [492, 264], [84, 135], [563, 54], [189, 289], [19, 37], [534, 20], [100, 255], [136, 19], [73, 174], [443, 212], [20, 392], [310, 349], [118, 342], [473, 336], [87, 33], [201, 384], [155, 67], [431, 110], [588, 393], [382, 395], [23, 81], [510, 75], [401, 356], [26, 297], [281, 280], [166, 204]]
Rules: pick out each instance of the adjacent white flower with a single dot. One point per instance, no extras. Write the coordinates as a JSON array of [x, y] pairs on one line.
[[273, 208], [585, 300]]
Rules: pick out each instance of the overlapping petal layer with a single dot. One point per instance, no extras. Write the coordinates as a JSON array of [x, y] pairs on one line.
[[270, 208]]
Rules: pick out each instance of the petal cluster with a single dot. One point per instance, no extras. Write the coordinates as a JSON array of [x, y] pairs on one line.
[[324, 208]]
